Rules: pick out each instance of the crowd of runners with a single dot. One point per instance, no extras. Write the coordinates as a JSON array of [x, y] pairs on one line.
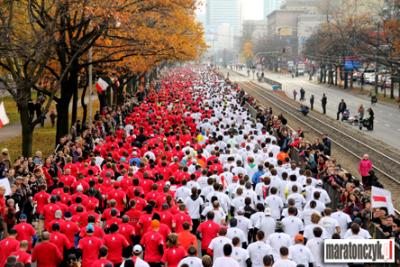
[[186, 178]]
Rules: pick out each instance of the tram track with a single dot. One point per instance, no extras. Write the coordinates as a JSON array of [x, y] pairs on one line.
[[386, 162]]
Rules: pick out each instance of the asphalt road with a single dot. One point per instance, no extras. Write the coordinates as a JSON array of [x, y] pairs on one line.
[[387, 117]]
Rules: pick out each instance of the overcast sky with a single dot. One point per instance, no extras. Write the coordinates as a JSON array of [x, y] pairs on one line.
[[252, 9]]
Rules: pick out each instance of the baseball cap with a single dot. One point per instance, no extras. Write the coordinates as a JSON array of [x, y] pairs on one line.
[[155, 224], [137, 249], [299, 237], [89, 228], [22, 217], [319, 182], [58, 214]]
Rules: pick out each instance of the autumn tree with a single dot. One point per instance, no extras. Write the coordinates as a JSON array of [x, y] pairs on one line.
[[247, 52]]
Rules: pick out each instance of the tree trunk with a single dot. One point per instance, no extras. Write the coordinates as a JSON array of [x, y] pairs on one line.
[[62, 107], [27, 130], [83, 104], [74, 105]]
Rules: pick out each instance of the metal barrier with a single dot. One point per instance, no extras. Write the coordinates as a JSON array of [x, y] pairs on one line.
[[276, 85]]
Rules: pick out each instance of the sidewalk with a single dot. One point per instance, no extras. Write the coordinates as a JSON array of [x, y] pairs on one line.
[[387, 119]]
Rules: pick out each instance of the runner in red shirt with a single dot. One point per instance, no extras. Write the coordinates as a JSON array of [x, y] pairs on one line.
[[59, 239], [89, 246], [25, 231], [69, 228], [127, 231], [8, 245], [116, 243], [208, 230], [21, 254], [41, 198], [46, 254], [153, 244], [173, 253], [102, 261]]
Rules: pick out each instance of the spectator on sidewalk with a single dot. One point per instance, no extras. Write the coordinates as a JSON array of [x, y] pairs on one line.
[[364, 167], [341, 108], [324, 101]]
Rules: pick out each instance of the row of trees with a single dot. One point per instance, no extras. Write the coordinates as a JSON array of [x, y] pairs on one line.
[[350, 34], [44, 47]]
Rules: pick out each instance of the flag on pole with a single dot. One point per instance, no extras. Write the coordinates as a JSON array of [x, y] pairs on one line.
[[101, 85], [381, 198], [3, 116]]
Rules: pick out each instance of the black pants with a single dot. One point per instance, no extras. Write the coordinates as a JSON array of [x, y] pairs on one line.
[[338, 113], [155, 264], [324, 109], [195, 223]]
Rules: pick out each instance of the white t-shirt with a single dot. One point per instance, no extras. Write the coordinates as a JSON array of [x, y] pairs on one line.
[[309, 231], [329, 224], [364, 233], [236, 232], [343, 219], [300, 254], [292, 225], [315, 245], [191, 261], [257, 250], [284, 263], [266, 224], [225, 261], [278, 240], [193, 207], [240, 255], [244, 224], [276, 205], [138, 263], [217, 246]]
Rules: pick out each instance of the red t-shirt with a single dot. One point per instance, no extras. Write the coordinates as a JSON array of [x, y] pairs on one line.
[[90, 246], [22, 256], [8, 246], [61, 241], [25, 231], [46, 254], [150, 241], [209, 230], [42, 198], [115, 244], [127, 230], [69, 229], [173, 256]]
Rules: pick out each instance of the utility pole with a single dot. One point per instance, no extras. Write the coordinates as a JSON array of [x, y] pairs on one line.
[[90, 85], [376, 58]]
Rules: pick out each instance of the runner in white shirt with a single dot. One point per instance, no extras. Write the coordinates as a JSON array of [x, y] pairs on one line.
[[356, 232], [266, 223], [217, 244], [284, 259], [316, 245], [307, 213], [299, 253], [299, 200], [292, 225], [192, 260], [330, 224], [279, 239], [343, 219], [243, 223], [324, 198], [240, 254], [226, 259], [234, 231], [291, 203], [257, 250], [274, 202], [309, 229], [137, 251]]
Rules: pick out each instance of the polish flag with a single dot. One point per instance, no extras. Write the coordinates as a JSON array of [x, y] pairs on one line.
[[101, 85], [381, 198], [3, 116]]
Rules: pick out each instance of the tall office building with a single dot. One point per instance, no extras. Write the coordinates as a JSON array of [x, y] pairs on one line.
[[224, 12], [270, 6]]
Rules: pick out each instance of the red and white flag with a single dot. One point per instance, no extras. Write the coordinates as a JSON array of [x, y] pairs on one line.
[[3, 116], [381, 198], [101, 85]]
